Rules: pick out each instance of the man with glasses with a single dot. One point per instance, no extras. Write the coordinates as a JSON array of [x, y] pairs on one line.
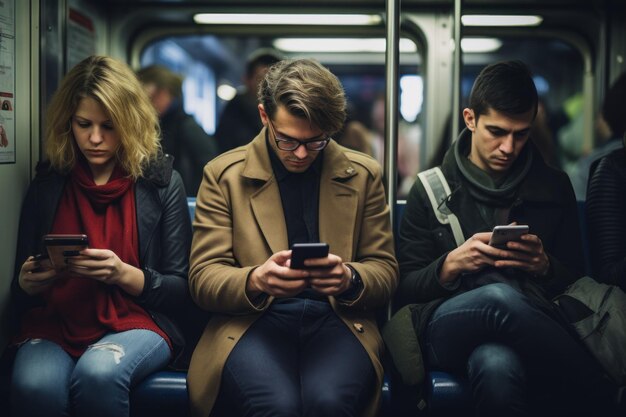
[[286, 341]]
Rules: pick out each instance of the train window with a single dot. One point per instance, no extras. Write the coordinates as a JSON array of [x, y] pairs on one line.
[[213, 67]]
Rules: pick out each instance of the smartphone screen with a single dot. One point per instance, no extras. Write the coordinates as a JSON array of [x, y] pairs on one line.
[[302, 251], [61, 247], [503, 234]]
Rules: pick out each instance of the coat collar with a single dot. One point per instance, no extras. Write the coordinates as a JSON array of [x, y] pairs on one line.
[[338, 200]]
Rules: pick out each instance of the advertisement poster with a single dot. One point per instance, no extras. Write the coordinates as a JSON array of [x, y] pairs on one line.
[[81, 38], [7, 81]]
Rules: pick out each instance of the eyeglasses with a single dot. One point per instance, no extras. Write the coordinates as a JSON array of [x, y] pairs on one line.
[[288, 144]]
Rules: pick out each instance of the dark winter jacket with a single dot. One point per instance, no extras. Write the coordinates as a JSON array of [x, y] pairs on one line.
[[544, 200]]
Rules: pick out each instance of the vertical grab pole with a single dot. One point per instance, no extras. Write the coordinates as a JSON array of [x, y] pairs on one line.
[[456, 72], [391, 102], [392, 51]]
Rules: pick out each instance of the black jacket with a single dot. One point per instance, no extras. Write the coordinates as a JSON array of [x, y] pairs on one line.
[[606, 219], [164, 230], [191, 147], [239, 123], [545, 202]]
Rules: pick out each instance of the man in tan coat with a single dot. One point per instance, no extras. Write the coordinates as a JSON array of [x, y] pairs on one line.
[[286, 341]]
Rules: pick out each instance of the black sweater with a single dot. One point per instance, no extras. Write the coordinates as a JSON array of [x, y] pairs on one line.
[[606, 219]]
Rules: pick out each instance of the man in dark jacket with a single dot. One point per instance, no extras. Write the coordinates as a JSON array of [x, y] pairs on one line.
[[240, 121], [486, 311], [181, 136]]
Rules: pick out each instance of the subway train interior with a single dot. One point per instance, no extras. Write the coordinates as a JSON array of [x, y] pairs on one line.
[[407, 67]]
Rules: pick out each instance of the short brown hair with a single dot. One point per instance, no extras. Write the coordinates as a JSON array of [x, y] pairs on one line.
[[115, 87], [308, 90], [162, 78]]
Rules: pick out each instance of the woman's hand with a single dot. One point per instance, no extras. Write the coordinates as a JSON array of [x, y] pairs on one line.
[[36, 276], [105, 266]]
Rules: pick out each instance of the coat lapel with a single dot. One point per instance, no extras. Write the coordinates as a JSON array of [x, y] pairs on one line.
[[268, 214], [338, 203]]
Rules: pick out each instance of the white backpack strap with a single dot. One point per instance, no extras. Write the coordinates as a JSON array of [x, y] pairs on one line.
[[438, 190]]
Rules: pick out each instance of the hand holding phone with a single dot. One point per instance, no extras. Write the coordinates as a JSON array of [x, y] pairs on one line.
[[503, 234], [302, 251], [61, 246]]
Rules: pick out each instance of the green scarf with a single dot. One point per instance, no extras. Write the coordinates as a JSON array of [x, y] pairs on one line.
[[500, 192]]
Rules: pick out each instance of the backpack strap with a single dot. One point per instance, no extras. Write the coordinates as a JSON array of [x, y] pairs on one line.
[[438, 191]]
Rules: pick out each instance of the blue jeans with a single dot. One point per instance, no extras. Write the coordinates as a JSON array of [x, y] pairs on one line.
[[519, 360], [298, 359], [47, 381]]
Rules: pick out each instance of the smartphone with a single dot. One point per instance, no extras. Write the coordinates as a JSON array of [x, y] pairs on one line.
[[503, 234], [302, 251], [61, 247]]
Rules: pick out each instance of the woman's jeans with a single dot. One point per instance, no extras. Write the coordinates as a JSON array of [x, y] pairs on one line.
[[519, 360], [48, 382]]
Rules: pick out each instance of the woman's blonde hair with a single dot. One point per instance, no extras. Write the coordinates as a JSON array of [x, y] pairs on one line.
[[114, 85]]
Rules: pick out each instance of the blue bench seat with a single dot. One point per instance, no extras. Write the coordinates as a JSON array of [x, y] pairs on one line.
[[162, 393]]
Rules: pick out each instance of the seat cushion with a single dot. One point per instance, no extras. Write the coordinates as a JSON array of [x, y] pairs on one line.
[[162, 393]]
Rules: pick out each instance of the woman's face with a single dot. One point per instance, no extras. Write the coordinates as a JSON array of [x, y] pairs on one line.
[[96, 138]]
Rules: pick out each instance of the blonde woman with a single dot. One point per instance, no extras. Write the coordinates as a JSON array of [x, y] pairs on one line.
[[91, 329]]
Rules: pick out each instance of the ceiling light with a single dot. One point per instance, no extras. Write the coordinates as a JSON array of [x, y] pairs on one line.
[[226, 92], [286, 19], [339, 45], [480, 45], [501, 20]]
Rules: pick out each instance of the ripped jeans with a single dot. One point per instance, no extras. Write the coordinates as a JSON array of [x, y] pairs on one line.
[[46, 381]]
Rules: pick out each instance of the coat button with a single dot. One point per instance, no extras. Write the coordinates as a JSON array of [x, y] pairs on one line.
[[358, 327], [350, 171]]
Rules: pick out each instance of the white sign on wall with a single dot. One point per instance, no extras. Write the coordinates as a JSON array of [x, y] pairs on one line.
[[7, 81]]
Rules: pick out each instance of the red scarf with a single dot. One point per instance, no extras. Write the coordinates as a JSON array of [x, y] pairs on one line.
[[78, 311]]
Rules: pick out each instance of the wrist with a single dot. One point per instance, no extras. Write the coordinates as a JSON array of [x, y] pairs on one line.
[[356, 283], [448, 272], [252, 288]]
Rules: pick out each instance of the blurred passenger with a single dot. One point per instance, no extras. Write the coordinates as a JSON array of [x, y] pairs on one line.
[[486, 312], [610, 125], [377, 115], [239, 121], [570, 136], [542, 138], [289, 341], [181, 136], [408, 145], [94, 327], [355, 135], [606, 218], [409, 138]]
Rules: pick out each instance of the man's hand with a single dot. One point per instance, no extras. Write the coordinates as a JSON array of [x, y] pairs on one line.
[[526, 254], [275, 278], [328, 276], [473, 255]]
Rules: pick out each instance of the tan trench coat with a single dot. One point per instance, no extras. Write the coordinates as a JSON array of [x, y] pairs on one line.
[[239, 223]]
